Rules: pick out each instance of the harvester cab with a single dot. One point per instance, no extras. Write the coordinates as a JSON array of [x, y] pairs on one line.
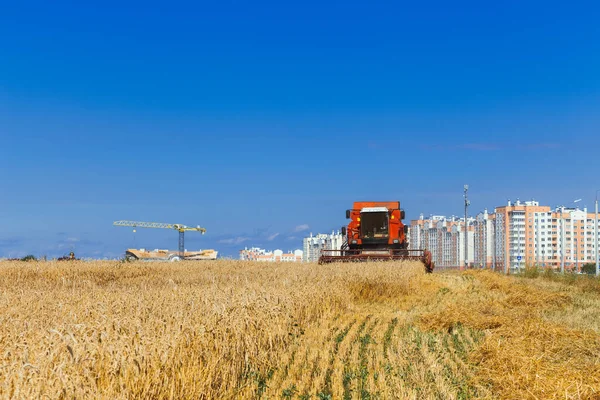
[[376, 233]]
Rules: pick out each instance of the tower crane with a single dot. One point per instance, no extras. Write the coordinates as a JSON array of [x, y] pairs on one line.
[[179, 227]]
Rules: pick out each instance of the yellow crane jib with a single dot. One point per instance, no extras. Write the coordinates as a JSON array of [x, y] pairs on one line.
[[178, 227]]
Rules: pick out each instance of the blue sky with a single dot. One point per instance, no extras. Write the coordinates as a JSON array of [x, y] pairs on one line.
[[263, 121]]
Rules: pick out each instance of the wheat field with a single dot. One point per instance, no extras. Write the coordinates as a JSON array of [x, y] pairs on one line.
[[227, 329]]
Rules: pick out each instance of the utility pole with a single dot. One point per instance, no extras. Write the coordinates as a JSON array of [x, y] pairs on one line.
[[467, 203], [596, 232]]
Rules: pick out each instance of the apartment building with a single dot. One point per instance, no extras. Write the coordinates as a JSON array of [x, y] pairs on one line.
[[445, 238], [530, 234], [515, 233], [312, 245], [416, 233], [258, 254], [484, 239], [564, 236], [458, 240], [514, 236]]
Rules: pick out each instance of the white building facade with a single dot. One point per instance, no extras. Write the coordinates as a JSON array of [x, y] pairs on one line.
[[445, 238], [484, 239], [312, 245], [564, 237]]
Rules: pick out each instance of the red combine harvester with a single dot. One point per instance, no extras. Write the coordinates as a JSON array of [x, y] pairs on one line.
[[376, 233]]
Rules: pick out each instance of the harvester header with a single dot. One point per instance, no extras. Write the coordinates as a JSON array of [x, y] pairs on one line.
[[376, 233]]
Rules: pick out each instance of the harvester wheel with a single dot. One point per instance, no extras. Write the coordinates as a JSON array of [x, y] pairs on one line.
[[428, 262], [432, 268]]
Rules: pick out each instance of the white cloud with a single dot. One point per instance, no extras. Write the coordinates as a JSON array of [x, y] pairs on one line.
[[272, 237], [72, 240], [236, 240], [300, 228]]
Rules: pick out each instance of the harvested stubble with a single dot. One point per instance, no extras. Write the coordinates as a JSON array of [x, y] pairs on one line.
[[245, 330], [528, 351]]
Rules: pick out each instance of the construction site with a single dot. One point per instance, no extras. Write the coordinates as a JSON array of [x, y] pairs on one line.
[[180, 254]]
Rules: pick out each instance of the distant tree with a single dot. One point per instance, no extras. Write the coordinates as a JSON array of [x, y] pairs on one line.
[[589, 268], [29, 258]]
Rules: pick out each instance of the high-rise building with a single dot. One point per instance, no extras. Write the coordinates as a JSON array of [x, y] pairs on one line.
[[515, 233], [484, 237], [514, 236], [444, 237], [417, 233], [564, 236], [312, 245]]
